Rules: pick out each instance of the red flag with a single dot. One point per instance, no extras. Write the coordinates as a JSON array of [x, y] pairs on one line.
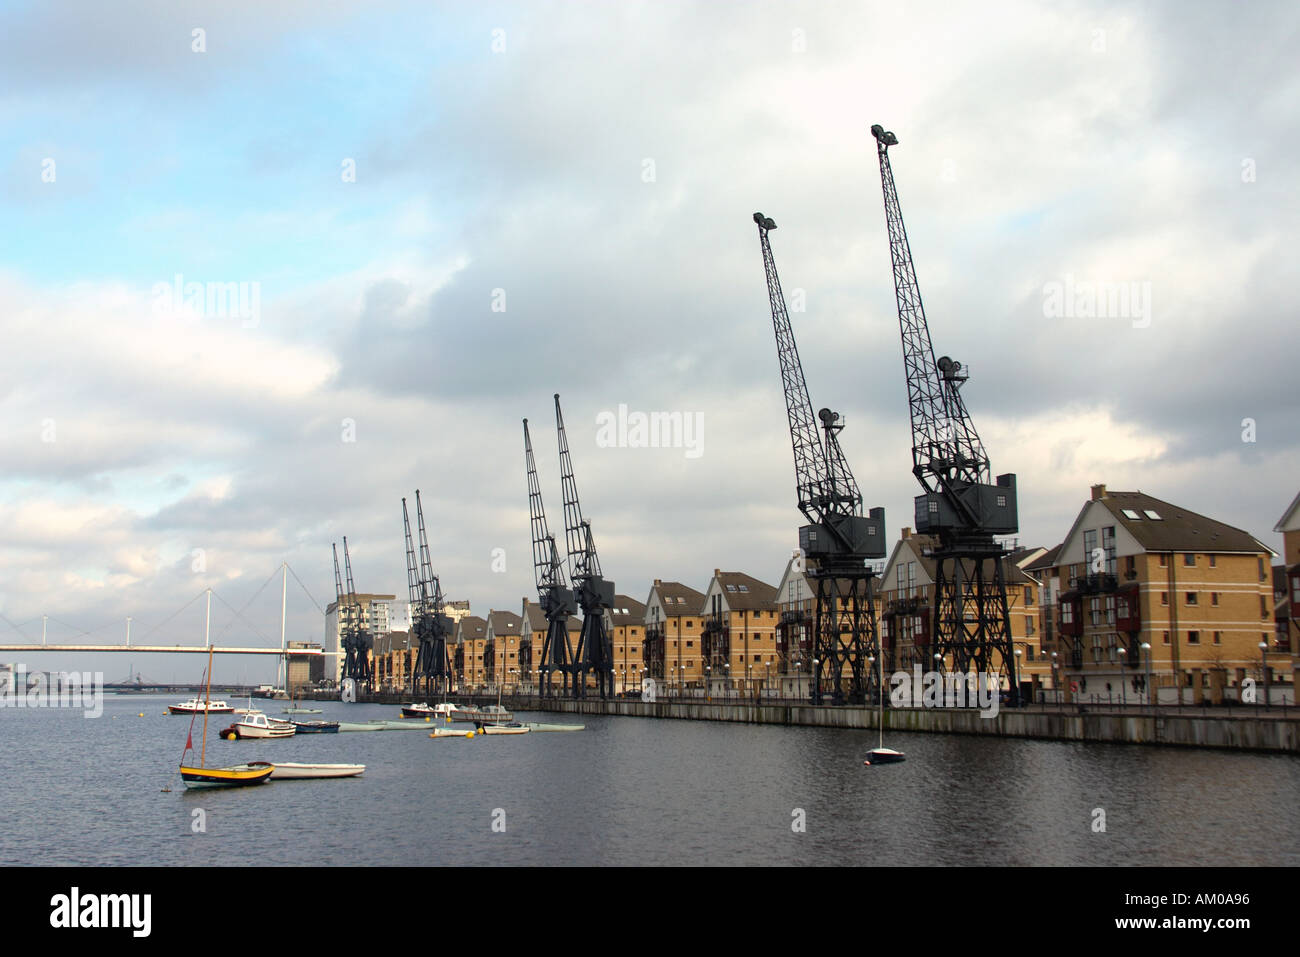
[[189, 742]]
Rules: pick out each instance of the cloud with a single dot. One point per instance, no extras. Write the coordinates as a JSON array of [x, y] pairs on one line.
[[572, 214]]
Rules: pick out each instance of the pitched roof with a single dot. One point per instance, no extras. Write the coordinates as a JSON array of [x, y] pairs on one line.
[[504, 622], [1290, 510], [536, 617], [922, 545], [1046, 560], [743, 592], [1176, 529], [678, 599], [627, 611], [470, 628]]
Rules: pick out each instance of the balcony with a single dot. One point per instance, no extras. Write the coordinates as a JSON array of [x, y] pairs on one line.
[[1101, 583], [904, 606]]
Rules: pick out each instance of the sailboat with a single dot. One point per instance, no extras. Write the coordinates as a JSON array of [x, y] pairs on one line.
[[882, 754], [199, 776]]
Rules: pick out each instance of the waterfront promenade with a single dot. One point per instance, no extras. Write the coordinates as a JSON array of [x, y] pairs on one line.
[[1276, 730]]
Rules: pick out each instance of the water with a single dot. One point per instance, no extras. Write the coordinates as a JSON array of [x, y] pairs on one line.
[[628, 791]]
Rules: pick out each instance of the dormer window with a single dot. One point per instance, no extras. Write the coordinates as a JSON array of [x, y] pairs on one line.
[[1131, 514], [1154, 516]]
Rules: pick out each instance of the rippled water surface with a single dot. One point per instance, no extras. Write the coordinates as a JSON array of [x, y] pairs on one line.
[[628, 791]]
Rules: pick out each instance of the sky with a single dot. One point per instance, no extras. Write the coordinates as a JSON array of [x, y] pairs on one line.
[[435, 216]]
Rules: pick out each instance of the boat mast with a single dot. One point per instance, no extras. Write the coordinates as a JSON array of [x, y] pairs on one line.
[[283, 674], [207, 693], [880, 693]]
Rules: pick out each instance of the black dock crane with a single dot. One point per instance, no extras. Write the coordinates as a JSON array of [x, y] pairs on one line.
[[839, 539], [553, 592], [355, 640], [430, 626], [593, 593], [959, 505]]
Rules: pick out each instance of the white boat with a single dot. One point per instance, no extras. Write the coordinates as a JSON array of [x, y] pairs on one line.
[[292, 771], [514, 728], [492, 714], [452, 733], [255, 724], [882, 754], [556, 727], [198, 706]]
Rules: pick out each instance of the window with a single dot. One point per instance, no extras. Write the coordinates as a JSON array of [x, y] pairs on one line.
[[1029, 594], [1164, 560], [1214, 599], [1089, 546], [1189, 559], [1214, 561], [1029, 625], [1261, 569], [1191, 598], [933, 506], [1121, 606], [731, 588], [1110, 609], [1263, 606], [1067, 613], [1108, 547], [1218, 637], [1193, 637], [1165, 637], [1094, 610], [1130, 514], [1164, 598], [1152, 515], [744, 588], [690, 644], [1002, 501]]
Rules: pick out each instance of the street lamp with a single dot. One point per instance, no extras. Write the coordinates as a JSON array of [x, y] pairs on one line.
[[1015, 692], [708, 682], [816, 683], [1146, 646], [1263, 669], [727, 665], [1123, 659]]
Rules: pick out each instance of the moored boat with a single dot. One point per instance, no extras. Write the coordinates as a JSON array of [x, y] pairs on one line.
[[397, 725], [258, 725], [511, 728], [556, 727], [301, 711], [293, 771], [884, 756], [452, 733], [492, 714], [239, 775], [199, 776], [316, 727], [197, 706], [354, 726]]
